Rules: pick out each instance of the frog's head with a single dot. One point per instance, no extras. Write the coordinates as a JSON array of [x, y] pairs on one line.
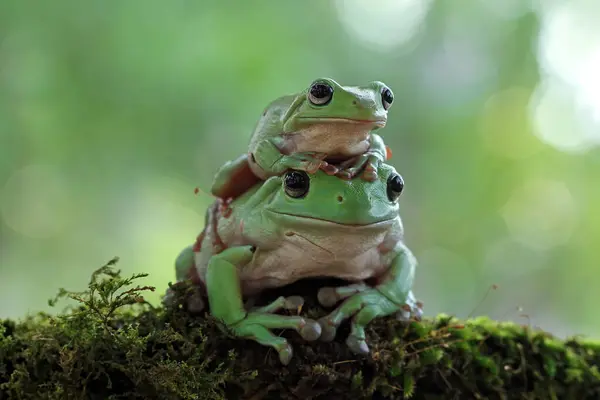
[[326, 101], [325, 198]]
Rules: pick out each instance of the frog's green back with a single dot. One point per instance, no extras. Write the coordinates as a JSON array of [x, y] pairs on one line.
[[270, 123]]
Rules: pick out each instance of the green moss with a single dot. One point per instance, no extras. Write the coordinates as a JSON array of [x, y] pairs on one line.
[[114, 345]]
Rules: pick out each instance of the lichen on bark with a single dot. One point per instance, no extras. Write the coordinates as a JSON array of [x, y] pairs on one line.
[[114, 345]]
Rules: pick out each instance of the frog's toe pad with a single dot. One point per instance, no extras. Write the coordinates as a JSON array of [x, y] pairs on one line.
[[329, 169], [357, 345], [327, 296], [403, 315], [285, 354], [345, 175], [328, 330], [410, 310], [370, 176], [311, 331], [293, 302], [418, 314]]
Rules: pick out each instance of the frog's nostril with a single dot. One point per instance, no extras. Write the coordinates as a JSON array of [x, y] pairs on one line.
[[354, 102], [340, 199]]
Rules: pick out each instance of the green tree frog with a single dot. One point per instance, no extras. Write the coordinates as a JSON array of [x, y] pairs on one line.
[[326, 126], [297, 226]]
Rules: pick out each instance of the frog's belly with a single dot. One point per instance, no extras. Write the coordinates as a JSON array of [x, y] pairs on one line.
[[299, 258], [343, 139]]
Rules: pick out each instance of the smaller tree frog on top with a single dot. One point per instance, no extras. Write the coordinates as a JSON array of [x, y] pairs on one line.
[[326, 126]]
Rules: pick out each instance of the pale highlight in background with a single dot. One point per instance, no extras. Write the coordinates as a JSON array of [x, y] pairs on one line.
[[383, 25], [566, 106]]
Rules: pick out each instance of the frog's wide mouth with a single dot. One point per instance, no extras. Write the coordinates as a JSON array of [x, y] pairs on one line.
[[327, 222], [377, 122]]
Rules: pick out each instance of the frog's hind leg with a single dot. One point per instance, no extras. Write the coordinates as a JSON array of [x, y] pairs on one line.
[[184, 260], [234, 178], [185, 269], [183, 263]]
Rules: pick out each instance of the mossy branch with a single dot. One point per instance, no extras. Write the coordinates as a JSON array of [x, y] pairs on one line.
[[115, 345]]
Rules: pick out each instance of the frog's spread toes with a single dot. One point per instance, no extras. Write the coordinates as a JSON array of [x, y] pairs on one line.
[[357, 345], [311, 331]]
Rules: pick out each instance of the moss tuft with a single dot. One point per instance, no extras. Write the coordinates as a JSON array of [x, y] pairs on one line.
[[115, 345]]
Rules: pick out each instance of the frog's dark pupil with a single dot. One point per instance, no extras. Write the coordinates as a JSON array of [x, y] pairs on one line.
[[396, 184], [321, 90], [387, 96], [294, 180]]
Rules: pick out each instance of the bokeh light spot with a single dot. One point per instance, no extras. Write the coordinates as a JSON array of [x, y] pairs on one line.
[[459, 70], [569, 39], [35, 202], [559, 120], [383, 24], [568, 113], [505, 124], [541, 214]]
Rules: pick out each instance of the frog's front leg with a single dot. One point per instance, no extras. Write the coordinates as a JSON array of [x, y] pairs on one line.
[[367, 163], [363, 304], [225, 301], [270, 159]]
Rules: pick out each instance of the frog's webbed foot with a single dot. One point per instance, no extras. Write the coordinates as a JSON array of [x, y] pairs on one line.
[[309, 331], [413, 309], [362, 304], [257, 326], [366, 165]]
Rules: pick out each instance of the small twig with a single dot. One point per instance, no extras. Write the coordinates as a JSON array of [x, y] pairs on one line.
[[492, 287]]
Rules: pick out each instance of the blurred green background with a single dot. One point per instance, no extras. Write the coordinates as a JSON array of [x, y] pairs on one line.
[[111, 113]]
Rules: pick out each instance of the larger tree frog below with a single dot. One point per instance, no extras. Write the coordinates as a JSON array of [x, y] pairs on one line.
[[299, 226], [326, 126]]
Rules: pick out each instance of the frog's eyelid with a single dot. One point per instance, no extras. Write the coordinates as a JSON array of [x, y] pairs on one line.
[[320, 80]]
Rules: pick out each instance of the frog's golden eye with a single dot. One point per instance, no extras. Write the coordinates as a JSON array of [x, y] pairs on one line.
[[387, 98], [296, 184], [320, 93], [395, 185]]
